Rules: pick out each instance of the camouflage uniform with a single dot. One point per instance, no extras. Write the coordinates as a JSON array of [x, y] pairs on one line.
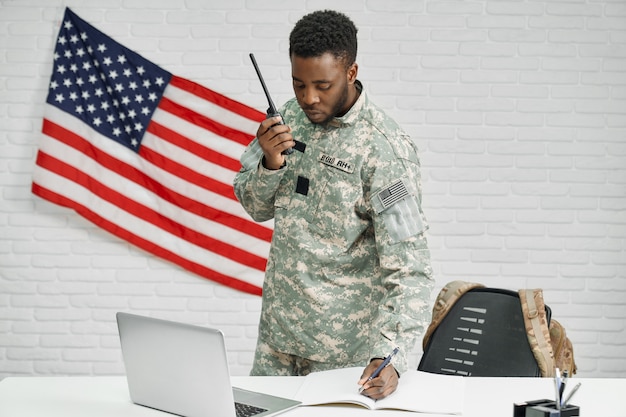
[[348, 276]]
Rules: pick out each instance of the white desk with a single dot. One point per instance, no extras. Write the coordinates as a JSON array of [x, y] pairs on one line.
[[108, 397]]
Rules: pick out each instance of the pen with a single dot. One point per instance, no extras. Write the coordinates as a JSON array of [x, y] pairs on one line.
[[386, 362], [562, 385], [557, 391], [571, 394]]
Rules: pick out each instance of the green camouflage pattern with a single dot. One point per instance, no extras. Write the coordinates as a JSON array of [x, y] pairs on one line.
[[348, 276]]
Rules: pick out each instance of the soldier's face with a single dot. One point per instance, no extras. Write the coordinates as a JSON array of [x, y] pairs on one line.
[[323, 86]]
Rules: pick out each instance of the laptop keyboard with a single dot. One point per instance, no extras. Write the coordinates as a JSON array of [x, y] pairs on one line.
[[245, 410]]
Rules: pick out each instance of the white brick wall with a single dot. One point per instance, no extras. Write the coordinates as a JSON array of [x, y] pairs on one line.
[[518, 107]]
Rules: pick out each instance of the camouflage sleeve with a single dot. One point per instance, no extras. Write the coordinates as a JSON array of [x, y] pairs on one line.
[[406, 273], [256, 186]]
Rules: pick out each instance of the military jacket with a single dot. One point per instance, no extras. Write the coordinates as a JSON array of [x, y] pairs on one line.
[[348, 276]]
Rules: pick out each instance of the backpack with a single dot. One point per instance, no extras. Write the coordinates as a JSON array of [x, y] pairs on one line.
[[546, 336]]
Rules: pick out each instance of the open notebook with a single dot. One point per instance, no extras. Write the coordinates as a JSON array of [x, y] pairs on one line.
[[183, 369], [417, 391]]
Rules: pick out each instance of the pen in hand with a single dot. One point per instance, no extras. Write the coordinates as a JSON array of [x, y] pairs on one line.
[[376, 372]]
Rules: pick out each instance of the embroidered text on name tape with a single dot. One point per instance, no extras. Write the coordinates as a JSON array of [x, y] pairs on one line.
[[336, 163]]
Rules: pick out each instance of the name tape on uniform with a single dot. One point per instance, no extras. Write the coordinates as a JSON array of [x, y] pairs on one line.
[[336, 163]]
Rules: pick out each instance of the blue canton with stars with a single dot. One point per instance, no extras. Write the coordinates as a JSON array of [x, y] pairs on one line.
[[109, 87]]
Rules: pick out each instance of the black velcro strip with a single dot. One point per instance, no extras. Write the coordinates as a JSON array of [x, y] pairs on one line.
[[299, 146], [302, 186]]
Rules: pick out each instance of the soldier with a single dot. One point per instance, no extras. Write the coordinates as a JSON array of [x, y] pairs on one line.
[[348, 276]]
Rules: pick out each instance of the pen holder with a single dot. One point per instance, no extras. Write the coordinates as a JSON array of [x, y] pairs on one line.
[[544, 408]]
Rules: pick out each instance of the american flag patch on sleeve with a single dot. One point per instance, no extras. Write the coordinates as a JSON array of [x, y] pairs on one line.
[[390, 195]]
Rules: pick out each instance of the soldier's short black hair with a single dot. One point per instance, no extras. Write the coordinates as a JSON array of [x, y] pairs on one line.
[[324, 31]]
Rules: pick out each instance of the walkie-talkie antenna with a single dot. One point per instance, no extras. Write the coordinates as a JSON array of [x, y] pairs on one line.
[[272, 107], [271, 111]]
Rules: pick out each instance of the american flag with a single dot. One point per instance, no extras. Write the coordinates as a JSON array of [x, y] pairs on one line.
[[149, 157]]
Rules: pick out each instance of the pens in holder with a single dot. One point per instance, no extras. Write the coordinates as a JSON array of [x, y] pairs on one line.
[[386, 362]]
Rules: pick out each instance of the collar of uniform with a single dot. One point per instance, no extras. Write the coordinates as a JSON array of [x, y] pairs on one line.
[[352, 114]]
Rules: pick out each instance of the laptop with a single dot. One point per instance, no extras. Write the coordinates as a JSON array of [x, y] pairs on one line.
[[183, 369]]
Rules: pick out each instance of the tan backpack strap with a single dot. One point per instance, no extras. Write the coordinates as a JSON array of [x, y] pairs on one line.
[[534, 311], [444, 301], [562, 348]]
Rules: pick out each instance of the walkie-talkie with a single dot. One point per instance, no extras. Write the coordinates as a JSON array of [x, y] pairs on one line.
[[271, 110]]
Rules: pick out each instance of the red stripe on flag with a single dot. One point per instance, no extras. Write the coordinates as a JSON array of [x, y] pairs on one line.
[[144, 244], [217, 98], [189, 174], [203, 121], [195, 148]]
